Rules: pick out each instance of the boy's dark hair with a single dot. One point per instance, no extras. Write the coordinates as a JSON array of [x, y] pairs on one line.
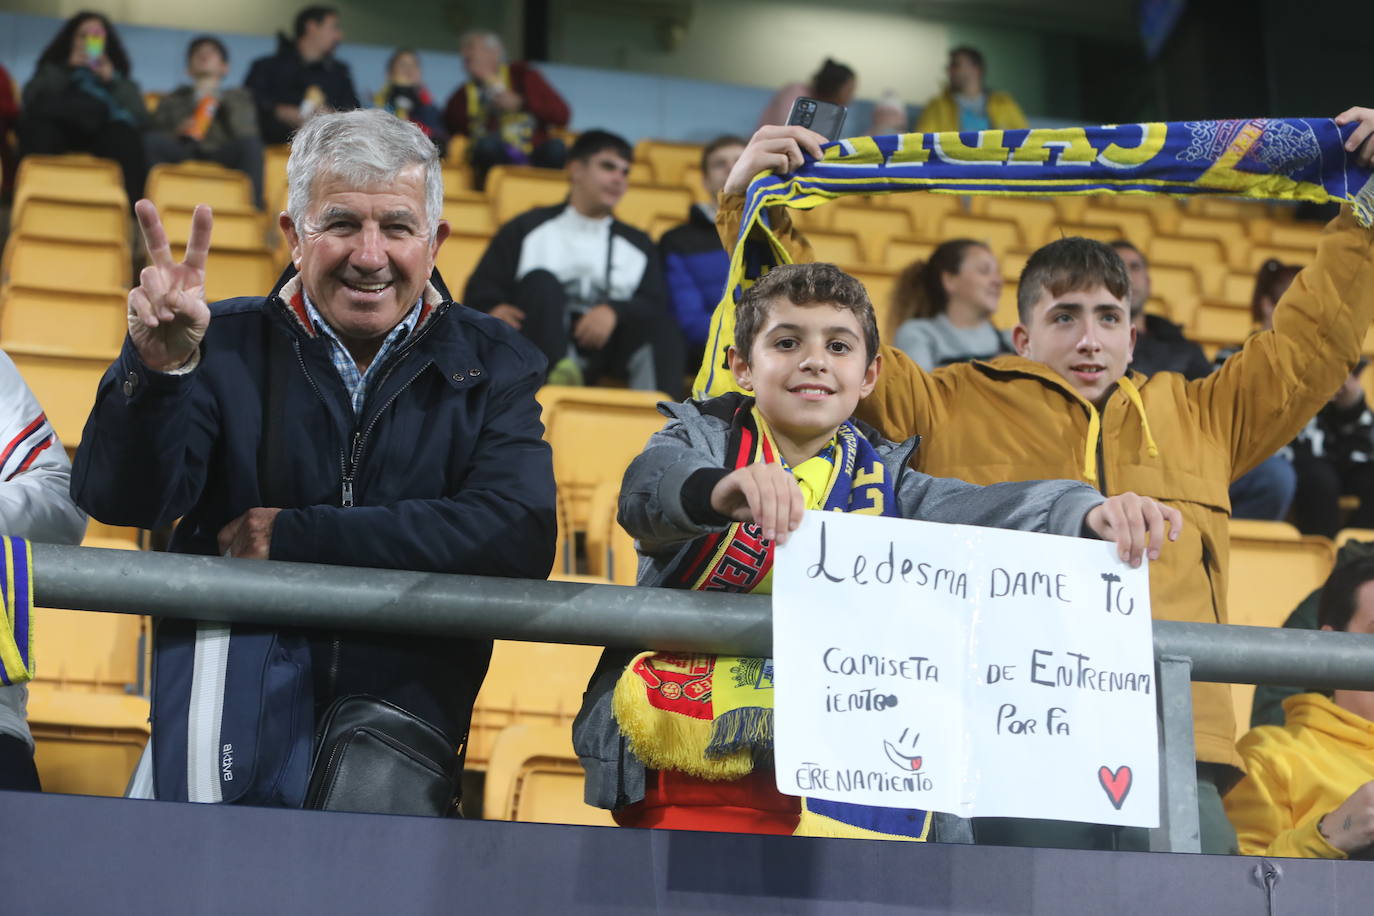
[[1068, 265], [312, 14], [206, 40], [1272, 278], [973, 54], [594, 141], [59, 50], [720, 142], [830, 79], [1338, 597], [803, 284]]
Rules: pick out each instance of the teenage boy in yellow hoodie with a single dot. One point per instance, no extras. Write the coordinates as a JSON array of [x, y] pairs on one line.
[[1308, 790], [1067, 406]]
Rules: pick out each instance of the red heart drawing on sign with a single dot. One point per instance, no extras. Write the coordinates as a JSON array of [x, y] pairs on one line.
[[1117, 785]]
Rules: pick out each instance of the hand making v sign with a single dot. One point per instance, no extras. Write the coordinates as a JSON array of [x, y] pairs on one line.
[[168, 316]]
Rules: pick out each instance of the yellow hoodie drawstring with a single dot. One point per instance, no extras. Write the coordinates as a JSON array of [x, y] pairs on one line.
[[1095, 429]]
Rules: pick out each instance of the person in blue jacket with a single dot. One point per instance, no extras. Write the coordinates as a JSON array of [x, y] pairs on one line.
[[354, 416], [694, 263]]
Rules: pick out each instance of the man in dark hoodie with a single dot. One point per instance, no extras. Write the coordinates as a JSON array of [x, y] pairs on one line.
[[303, 77], [1159, 345]]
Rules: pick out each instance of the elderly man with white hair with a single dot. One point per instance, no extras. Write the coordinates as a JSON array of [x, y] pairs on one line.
[[355, 415], [505, 109]]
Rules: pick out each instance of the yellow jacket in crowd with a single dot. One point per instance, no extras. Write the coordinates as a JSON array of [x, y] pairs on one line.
[[1180, 442], [942, 114], [1298, 773]]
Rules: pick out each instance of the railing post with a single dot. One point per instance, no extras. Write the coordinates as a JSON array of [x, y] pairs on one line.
[[1178, 829]]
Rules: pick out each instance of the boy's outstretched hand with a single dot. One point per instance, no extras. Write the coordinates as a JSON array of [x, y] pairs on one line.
[[1135, 523], [765, 494]]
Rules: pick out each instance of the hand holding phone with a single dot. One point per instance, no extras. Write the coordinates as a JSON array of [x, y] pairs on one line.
[[825, 118]]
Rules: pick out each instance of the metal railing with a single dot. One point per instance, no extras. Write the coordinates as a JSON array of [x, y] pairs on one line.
[[311, 595]]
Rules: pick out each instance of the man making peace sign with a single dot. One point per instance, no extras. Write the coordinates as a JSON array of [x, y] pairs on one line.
[[354, 416]]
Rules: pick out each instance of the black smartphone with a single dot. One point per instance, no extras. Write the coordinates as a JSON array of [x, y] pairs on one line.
[[825, 118]]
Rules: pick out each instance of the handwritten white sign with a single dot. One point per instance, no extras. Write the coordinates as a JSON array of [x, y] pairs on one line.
[[968, 670]]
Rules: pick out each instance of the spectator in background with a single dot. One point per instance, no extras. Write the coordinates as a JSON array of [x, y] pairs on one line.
[[448, 474], [1332, 456], [1309, 784], [506, 109], [207, 120], [945, 306], [9, 118], [966, 104], [833, 82], [35, 503], [1159, 343], [695, 265], [303, 77], [889, 116], [406, 96], [81, 100], [585, 287]]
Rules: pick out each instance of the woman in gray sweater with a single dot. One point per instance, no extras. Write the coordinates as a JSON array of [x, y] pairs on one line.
[[945, 305]]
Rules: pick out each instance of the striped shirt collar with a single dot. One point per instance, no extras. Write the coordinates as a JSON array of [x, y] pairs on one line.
[[357, 382]]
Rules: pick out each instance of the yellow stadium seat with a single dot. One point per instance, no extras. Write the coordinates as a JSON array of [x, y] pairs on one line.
[[879, 282], [610, 549], [457, 151], [1205, 256], [1261, 530], [641, 173], [1006, 317], [458, 257], [85, 743], [835, 247], [274, 177], [74, 176], [691, 180], [239, 228], [1098, 231], [1071, 207], [1013, 262], [669, 160], [1001, 235], [1164, 211], [65, 264], [470, 212], [928, 210], [594, 434], [642, 203], [535, 776], [901, 252], [1229, 232], [873, 225], [230, 273], [1135, 226], [1036, 216], [191, 183], [65, 384], [1296, 234], [528, 683], [513, 189], [1269, 575], [457, 178], [1221, 323], [63, 321], [661, 224], [1284, 254], [1238, 288], [1226, 207], [64, 218], [1178, 287], [1361, 535]]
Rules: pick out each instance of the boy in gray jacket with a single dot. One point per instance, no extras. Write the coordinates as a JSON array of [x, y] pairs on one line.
[[708, 499]]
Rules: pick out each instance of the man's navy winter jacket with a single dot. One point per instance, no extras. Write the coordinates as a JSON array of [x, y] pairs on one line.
[[446, 469]]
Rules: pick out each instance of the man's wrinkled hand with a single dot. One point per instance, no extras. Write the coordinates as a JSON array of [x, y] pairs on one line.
[[249, 537], [168, 316], [595, 327]]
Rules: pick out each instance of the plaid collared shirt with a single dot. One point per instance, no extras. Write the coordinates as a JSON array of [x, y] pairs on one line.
[[356, 382]]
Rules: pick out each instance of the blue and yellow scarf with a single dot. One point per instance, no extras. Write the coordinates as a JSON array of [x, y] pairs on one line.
[[1301, 159], [712, 716], [16, 629]]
